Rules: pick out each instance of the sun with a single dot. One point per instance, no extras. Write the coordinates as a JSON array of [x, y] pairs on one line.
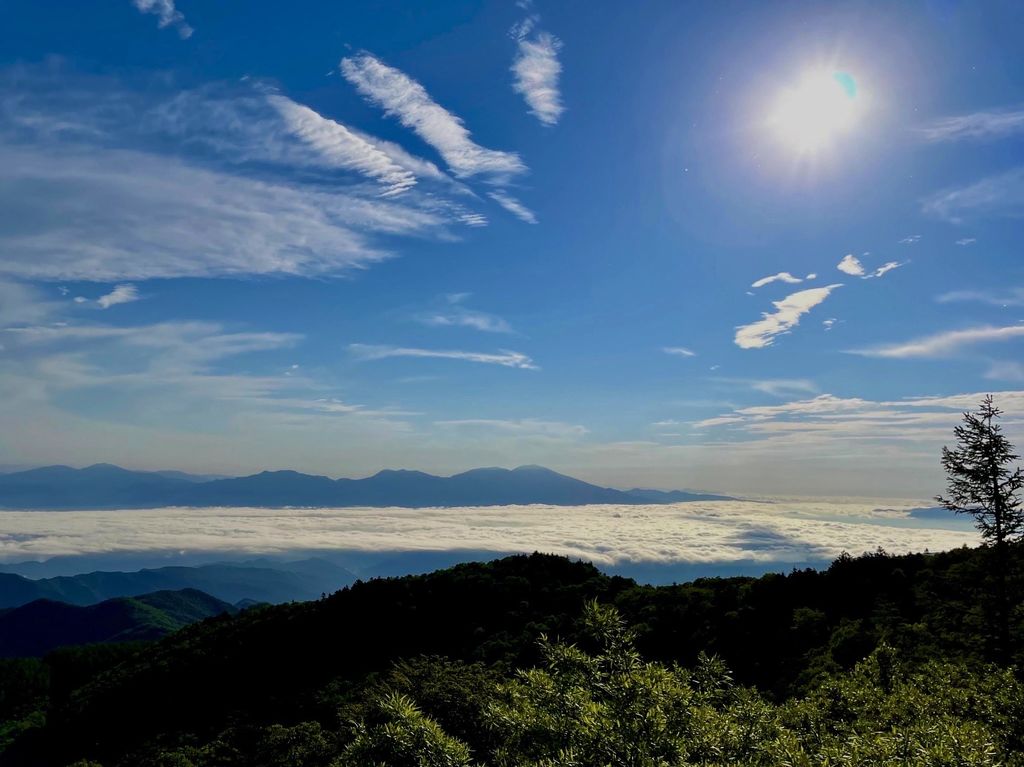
[[816, 112]]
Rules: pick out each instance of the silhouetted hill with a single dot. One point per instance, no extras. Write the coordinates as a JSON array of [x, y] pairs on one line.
[[105, 486], [53, 487], [779, 632], [41, 626], [268, 582]]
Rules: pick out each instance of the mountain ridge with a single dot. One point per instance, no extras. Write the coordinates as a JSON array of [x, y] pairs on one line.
[[260, 582], [43, 625], [105, 486]]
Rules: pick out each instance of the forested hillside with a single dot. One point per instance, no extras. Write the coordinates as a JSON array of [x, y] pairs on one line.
[[44, 625], [735, 670]]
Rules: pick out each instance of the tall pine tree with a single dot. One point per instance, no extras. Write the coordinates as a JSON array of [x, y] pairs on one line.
[[982, 482]]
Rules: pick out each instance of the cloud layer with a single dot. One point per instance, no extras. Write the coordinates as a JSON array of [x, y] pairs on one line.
[[607, 535]]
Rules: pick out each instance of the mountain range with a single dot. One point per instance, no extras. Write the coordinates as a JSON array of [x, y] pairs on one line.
[[233, 583], [104, 486], [38, 627]]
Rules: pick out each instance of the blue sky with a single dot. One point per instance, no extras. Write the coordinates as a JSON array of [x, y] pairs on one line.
[[342, 237]]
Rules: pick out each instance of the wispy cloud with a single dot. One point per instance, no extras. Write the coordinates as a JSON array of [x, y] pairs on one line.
[[780, 277], [167, 15], [775, 387], [138, 216], [224, 180], [786, 316], [784, 387], [341, 147], [944, 344], [679, 351], [852, 434], [912, 239], [455, 314], [537, 69], [121, 294], [513, 206], [996, 196], [1011, 297], [405, 99], [1004, 370], [526, 426], [887, 267], [966, 241], [503, 357], [977, 126]]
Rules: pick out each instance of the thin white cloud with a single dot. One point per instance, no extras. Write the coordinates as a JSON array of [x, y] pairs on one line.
[[503, 357], [167, 15], [966, 241], [944, 344], [537, 69], [912, 239], [513, 206], [405, 99], [136, 216], [886, 268], [342, 147], [786, 316], [851, 265], [1004, 370], [783, 387], [149, 183], [776, 387], [1011, 297], [121, 294], [977, 126], [457, 315], [1000, 196], [679, 351], [525, 426], [780, 277]]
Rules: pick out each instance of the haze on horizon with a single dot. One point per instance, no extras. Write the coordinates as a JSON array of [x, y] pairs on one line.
[[762, 249]]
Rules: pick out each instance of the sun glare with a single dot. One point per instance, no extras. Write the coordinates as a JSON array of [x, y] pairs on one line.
[[816, 112]]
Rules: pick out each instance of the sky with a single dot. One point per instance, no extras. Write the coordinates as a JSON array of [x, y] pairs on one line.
[[754, 248]]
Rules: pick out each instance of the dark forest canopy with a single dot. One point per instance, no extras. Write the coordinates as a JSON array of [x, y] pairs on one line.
[[232, 680]]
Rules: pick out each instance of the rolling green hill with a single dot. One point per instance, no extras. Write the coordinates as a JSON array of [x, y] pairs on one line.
[[39, 627]]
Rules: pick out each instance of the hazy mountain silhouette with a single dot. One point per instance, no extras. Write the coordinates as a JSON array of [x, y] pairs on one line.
[[106, 486], [270, 582], [43, 625]]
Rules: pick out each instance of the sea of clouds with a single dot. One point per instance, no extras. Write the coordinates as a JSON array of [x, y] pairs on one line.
[[611, 536]]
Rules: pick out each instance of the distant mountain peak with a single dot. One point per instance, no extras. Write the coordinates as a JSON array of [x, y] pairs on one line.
[[108, 486]]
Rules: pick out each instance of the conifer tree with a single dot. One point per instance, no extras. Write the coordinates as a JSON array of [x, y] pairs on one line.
[[982, 482]]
